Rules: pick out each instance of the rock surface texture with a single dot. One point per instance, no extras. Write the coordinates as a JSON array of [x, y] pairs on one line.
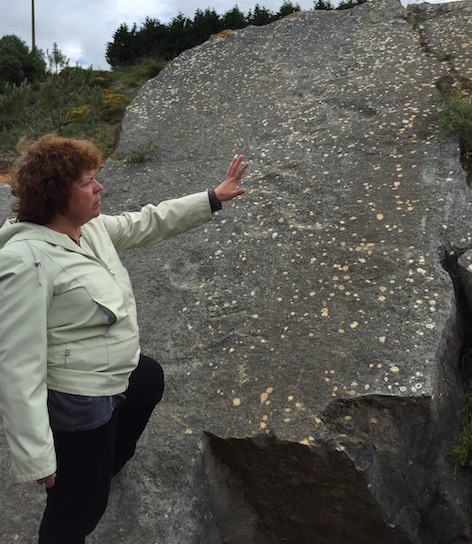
[[312, 334]]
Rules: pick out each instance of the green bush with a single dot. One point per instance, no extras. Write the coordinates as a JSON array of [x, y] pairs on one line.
[[454, 103], [18, 63], [462, 444], [455, 115]]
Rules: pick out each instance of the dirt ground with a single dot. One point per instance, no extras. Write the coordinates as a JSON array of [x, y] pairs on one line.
[[4, 178]]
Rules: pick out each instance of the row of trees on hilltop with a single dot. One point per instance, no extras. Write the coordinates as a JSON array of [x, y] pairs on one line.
[[167, 41]]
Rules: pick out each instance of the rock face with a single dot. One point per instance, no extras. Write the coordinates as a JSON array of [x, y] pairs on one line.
[[312, 335], [6, 200]]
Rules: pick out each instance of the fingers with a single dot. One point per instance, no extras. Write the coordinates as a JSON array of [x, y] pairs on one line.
[[236, 169], [229, 189], [239, 191]]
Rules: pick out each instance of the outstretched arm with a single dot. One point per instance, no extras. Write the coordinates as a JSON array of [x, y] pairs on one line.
[[229, 188]]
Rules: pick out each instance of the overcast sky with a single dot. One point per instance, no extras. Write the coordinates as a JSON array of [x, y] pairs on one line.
[[82, 28]]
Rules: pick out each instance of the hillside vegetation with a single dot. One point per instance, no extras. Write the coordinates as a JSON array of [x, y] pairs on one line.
[[72, 102]]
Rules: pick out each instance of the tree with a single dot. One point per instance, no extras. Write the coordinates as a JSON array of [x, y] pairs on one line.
[[151, 38], [260, 16], [66, 97], [69, 97], [18, 63], [234, 19], [348, 4], [205, 23], [179, 38], [57, 60], [14, 102], [323, 5], [122, 51], [287, 8]]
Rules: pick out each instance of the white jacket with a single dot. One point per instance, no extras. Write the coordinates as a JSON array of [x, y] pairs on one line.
[[49, 288]]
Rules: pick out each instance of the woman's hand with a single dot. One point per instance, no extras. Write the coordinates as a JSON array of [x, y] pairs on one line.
[[49, 481], [228, 189]]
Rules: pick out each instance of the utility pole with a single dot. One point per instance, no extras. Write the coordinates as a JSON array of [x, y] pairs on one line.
[[32, 25]]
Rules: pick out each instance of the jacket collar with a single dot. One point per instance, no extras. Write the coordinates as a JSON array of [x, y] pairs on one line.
[[13, 231]]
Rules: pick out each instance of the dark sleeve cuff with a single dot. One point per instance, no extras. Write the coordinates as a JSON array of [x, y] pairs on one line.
[[214, 202]]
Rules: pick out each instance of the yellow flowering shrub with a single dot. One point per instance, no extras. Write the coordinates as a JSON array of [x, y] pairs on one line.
[[114, 104], [80, 111]]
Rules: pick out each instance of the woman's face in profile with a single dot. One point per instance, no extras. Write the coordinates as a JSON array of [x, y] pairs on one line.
[[84, 199]]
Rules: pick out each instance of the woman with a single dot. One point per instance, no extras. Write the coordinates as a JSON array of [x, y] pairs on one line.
[[75, 392]]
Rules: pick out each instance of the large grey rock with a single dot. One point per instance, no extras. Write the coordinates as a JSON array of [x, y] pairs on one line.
[[6, 200], [312, 335]]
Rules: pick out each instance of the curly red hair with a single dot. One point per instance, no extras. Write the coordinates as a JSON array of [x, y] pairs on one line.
[[43, 175]]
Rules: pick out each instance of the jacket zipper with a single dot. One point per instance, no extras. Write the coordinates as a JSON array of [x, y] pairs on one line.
[[67, 353]]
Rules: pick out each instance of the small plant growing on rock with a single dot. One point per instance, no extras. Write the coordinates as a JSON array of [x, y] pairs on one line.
[[137, 155], [444, 55]]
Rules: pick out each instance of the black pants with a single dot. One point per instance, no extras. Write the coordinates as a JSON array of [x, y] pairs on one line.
[[87, 460]]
